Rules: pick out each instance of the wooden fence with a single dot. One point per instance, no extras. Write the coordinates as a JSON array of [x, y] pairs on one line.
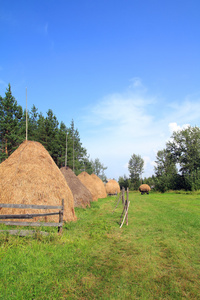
[[125, 203], [31, 216]]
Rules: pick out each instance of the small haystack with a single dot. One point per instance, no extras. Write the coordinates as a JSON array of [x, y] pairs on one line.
[[112, 187], [30, 176], [87, 180], [144, 188], [82, 196], [101, 190]]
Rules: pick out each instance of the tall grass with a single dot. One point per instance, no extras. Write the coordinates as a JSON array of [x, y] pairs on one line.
[[155, 257]]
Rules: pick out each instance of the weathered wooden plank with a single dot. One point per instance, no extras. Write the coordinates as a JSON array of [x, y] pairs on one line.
[[37, 224], [27, 216], [24, 232], [30, 206]]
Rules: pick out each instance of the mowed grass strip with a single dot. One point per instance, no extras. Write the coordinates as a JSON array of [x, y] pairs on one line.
[[155, 257]]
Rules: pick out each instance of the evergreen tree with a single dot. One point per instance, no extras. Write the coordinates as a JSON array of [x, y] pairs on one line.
[[62, 135], [51, 130], [33, 124], [76, 154], [10, 123]]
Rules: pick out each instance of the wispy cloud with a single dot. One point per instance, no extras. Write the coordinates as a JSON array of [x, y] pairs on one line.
[[46, 28], [122, 124], [3, 83]]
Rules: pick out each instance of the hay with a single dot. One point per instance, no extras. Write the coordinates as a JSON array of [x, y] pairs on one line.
[[112, 187], [87, 180], [30, 176], [82, 196], [145, 188], [100, 187]]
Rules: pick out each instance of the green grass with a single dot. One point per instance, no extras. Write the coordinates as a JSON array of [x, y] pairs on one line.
[[155, 257]]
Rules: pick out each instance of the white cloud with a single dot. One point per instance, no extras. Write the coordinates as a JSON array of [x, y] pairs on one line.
[[175, 127], [122, 124], [135, 82]]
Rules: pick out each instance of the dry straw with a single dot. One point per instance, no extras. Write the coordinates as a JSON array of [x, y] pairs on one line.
[[82, 196], [87, 180], [30, 176], [100, 187], [112, 187], [144, 188]]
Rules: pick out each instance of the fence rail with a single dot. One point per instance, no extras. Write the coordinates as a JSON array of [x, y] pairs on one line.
[[31, 216]]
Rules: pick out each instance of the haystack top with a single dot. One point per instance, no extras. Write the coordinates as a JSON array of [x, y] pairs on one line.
[[30, 176]]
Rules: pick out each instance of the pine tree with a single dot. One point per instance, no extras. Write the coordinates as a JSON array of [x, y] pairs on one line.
[[10, 124]]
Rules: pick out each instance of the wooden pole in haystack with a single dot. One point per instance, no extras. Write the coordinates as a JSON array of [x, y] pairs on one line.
[[73, 148], [26, 118], [66, 151]]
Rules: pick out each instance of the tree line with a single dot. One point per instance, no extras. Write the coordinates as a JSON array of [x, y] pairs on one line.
[[177, 165], [54, 136]]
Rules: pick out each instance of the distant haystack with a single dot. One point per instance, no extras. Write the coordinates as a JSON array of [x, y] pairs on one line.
[[87, 180], [144, 188], [30, 176], [101, 190], [112, 187], [82, 196]]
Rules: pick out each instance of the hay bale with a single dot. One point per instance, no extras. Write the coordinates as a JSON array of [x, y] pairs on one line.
[[144, 188], [82, 196], [87, 180], [30, 176], [112, 187], [101, 190]]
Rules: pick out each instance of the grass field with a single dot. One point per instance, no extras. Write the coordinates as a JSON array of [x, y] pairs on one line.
[[157, 256]]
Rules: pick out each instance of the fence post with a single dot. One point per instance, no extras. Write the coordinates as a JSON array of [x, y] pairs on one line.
[[123, 195], [61, 212], [127, 201]]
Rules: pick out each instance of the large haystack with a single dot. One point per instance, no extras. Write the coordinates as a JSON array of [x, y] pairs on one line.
[[30, 176], [144, 188], [101, 190], [87, 180], [82, 196], [112, 187]]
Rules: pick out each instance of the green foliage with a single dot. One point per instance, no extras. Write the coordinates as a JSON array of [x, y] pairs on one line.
[[136, 168], [46, 130], [98, 169], [124, 182], [11, 124], [185, 149]]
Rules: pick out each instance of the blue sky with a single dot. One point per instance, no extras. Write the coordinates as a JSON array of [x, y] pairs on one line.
[[127, 72]]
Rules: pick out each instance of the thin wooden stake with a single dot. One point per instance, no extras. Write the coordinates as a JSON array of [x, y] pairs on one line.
[[125, 215], [61, 212], [127, 194], [66, 151], [26, 118]]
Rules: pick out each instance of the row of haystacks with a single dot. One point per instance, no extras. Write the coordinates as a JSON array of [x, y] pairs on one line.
[[82, 195], [112, 187], [89, 183], [30, 176], [99, 185]]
